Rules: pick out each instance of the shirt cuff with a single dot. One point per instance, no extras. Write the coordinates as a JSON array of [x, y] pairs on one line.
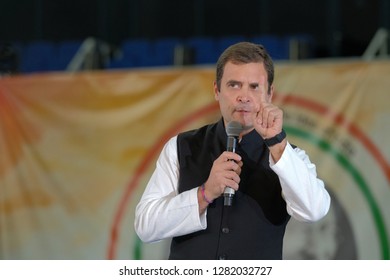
[[280, 162], [201, 220]]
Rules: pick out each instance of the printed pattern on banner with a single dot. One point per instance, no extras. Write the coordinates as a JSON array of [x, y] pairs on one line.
[[77, 151]]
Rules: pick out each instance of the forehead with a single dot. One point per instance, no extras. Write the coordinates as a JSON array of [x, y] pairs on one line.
[[244, 71]]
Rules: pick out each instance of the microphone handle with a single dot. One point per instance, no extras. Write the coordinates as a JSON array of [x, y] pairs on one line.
[[228, 196], [231, 144]]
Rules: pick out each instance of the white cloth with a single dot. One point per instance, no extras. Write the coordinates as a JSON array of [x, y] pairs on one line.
[[164, 213]]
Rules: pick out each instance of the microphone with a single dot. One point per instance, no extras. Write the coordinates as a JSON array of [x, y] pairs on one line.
[[233, 130]]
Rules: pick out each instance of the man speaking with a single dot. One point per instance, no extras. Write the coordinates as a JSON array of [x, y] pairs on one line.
[[269, 179]]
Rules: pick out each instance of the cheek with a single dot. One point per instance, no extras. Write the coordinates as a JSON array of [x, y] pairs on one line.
[[225, 107], [226, 99]]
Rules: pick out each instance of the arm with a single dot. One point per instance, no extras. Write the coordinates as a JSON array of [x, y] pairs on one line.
[[305, 194], [162, 212]]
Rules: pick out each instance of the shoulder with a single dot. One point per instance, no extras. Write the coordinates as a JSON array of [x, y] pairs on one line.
[[193, 141], [196, 136], [198, 132], [171, 144], [169, 150]]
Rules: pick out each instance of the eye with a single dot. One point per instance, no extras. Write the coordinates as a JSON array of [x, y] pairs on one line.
[[234, 84], [254, 86]]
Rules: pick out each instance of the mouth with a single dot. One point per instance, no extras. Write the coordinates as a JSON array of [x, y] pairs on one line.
[[243, 110]]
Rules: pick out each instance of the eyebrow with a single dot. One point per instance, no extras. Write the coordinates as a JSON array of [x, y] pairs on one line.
[[233, 82]]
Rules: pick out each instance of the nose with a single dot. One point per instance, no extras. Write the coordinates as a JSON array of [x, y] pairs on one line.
[[243, 98]]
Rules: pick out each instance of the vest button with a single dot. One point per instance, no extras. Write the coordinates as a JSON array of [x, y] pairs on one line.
[[222, 257], [225, 230]]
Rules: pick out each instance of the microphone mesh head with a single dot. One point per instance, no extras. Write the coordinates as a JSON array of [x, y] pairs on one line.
[[234, 129]]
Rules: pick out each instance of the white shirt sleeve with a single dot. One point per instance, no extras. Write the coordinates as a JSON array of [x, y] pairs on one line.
[[305, 194], [162, 212]]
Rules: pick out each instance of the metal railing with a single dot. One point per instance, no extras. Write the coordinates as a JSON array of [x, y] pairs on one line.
[[92, 54], [379, 45]]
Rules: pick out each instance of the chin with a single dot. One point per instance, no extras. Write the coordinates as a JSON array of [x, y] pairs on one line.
[[246, 123], [248, 127]]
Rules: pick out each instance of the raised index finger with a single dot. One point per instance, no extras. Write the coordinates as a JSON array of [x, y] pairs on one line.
[[263, 90], [261, 95]]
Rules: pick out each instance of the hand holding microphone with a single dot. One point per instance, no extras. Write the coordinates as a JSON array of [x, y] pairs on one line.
[[225, 173]]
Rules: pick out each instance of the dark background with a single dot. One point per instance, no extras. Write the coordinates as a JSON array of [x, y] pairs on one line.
[[339, 28]]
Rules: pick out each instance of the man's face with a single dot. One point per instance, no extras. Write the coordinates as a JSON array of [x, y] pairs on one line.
[[242, 87]]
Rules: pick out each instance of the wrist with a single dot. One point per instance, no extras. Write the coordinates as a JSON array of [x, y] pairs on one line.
[[277, 139], [277, 150], [203, 192]]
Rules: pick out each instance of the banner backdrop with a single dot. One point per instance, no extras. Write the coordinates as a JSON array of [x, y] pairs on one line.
[[77, 151]]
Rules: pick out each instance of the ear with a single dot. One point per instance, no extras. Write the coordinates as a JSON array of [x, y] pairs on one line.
[[216, 91]]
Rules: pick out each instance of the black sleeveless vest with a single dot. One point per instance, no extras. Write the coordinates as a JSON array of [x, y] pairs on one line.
[[254, 226]]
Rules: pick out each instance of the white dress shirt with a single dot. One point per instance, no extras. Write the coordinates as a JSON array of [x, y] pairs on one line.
[[164, 213]]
